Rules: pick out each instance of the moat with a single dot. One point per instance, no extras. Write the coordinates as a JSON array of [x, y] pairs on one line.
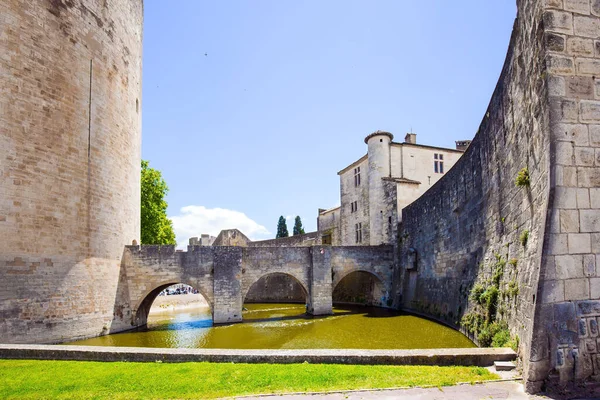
[[286, 326]]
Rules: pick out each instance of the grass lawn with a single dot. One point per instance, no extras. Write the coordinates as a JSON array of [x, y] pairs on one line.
[[25, 379]]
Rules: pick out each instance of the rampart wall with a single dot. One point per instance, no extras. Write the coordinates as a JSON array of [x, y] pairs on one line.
[[535, 243]]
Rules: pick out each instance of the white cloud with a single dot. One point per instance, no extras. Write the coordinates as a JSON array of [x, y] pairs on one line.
[[195, 220]]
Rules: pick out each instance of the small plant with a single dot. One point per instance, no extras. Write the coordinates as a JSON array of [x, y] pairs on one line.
[[513, 289], [524, 237], [513, 262], [472, 321], [523, 177], [476, 293]]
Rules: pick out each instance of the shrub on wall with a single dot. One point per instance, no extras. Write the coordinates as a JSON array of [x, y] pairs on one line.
[[482, 321], [523, 178]]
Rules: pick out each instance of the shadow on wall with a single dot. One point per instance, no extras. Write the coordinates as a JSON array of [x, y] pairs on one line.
[[276, 288], [360, 288]]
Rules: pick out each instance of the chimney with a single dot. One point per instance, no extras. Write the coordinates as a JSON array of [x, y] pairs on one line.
[[462, 145], [410, 138]]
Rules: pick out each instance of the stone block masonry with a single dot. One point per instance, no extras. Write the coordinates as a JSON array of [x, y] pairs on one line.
[[225, 275], [70, 132], [538, 240]]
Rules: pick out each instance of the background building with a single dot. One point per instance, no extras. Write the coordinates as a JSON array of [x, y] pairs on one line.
[[375, 188]]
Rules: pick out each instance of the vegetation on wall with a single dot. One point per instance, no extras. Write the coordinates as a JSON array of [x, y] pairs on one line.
[[282, 230], [156, 228], [524, 237], [298, 229], [491, 298], [523, 177]]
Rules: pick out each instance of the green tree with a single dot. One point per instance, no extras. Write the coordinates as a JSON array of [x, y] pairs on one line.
[[298, 229], [156, 227], [282, 228]]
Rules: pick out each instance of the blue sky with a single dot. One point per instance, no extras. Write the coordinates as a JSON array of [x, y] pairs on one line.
[[251, 107]]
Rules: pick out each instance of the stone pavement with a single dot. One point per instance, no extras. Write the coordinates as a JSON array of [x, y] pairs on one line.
[[491, 390]]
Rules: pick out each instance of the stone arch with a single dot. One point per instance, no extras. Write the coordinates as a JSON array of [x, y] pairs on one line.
[[142, 308], [379, 294], [273, 274]]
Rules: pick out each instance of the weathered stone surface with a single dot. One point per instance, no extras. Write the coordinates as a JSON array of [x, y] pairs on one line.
[[69, 181], [577, 6], [579, 243], [558, 21], [575, 133], [586, 26], [590, 111], [569, 223], [581, 86], [569, 266], [577, 289], [589, 220]]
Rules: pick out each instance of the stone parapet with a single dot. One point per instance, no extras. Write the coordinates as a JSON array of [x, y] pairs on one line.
[[466, 357]]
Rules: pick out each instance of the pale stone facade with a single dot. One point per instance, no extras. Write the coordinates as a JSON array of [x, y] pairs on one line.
[[375, 188]]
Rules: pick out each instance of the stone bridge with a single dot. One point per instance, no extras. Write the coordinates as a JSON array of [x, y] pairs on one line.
[[225, 274]]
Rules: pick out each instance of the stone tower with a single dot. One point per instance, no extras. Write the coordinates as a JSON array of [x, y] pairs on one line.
[[379, 167], [70, 135]]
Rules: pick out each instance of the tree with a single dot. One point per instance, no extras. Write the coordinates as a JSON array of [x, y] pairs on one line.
[[298, 229], [155, 226], [281, 228]]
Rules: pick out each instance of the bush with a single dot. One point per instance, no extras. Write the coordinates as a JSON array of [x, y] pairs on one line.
[[471, 322], [476, 293], [501, 338], [490, 300]]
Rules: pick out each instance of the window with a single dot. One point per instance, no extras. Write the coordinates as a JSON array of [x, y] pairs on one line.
[[358, 228], [438, 163], [357, 176], [353, 206]]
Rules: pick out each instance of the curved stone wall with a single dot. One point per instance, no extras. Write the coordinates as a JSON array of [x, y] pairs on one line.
[[536, 242], [70, 127]]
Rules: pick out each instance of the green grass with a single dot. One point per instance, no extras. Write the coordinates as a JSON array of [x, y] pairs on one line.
[[26, 379]]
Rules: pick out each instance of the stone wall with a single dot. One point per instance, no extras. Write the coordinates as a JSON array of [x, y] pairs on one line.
[[70, 128], [564, 342], [308, 239], [535, 242], [276, 288]]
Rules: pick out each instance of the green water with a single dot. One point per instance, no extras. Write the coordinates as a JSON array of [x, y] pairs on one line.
[[286, 326]]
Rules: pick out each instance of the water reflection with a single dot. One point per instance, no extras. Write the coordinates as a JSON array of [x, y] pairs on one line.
[[287, 326]]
